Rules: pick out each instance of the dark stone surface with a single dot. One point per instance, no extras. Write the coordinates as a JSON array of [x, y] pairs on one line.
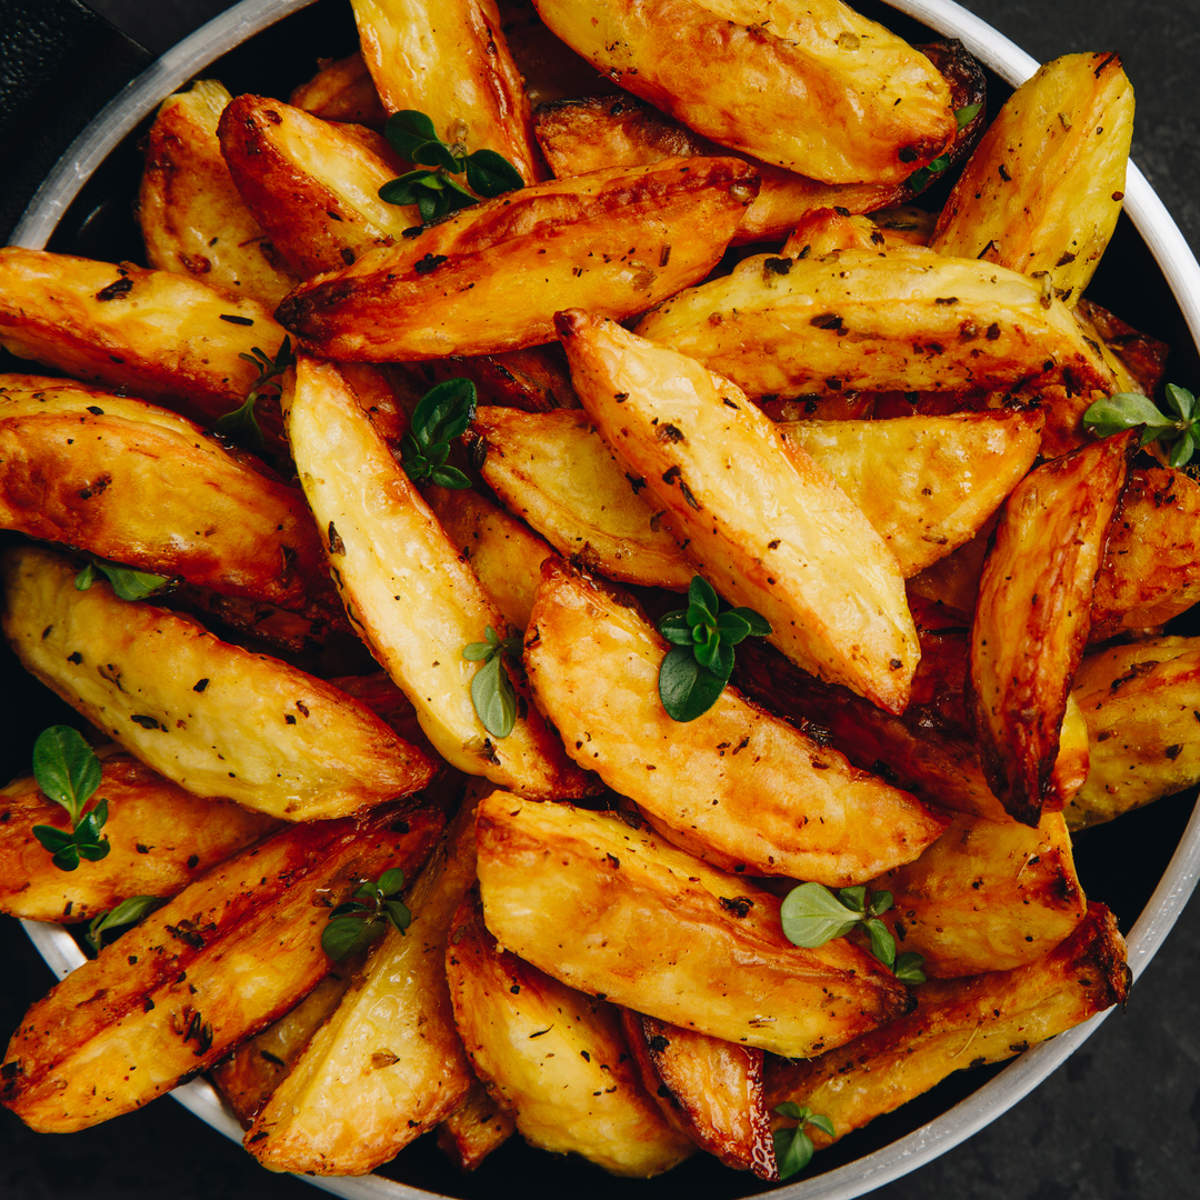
[[1121, 1119]]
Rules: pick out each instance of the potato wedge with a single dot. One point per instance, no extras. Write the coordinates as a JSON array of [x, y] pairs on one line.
[[1144, 358], [669, 936], [118, 324], [408, 591], [534, 380], [160, 839], [193, 219], [550, 70], [474, 1129], [229, 954], [736, 781], [139, 485], [1032, 616], [615, 241], [815, 87], [555, 1057], [775, 534], [210, 716], [907, 320], [960, 1023], [342, 90], [1042, 192]]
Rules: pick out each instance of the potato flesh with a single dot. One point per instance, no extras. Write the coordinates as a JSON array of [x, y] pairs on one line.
[[775, 533], [659, 939], [474, 1129], [212, 717], [342, 90], [736, 780]]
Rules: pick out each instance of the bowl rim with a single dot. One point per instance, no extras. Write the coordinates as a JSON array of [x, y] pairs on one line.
[[989, 1101]]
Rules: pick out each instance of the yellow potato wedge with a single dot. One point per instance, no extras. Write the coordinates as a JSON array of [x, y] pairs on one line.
[[1032, 616], [614, 241], [408, 591], [960, 1023], [555, 1057], [449, 59], [160, 839], [228, 955], [907, 320], [668, 935], [815, 87], [1140, 702], [736, 782], [775, 532], [210, 716], [342, 90], [312, 185], [474, 1129], [193, 219], [1043, 190]]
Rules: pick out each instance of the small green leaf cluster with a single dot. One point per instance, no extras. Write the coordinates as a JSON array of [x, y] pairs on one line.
[[793, 1147], [436, 192], [441, 415], [242, 421], [68, 773], [129, 912], [1175, 430], [127, 584], [702, 636], [921, 178], [353, 926], [812, 915], [492, 691]]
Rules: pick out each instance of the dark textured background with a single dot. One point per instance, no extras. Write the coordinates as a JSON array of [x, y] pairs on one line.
[[1121, 1119]]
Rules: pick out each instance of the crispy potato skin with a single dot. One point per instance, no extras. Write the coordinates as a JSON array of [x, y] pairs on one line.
[[474, 1129], [141, 486], [210, 716], [1033, 612], [555, 1056], [533, 380], [960, 1023], [228, 955], [665, 928], [615, 242], [160, 839], [1042, 192], [193, 219], [814, 88], [775, 534], [342, 90], [736, 781]]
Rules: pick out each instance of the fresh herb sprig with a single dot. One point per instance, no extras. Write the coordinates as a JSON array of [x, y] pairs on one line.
[[243, 421], [793, 1147], [492, 691], [441, 415], [921, 178], [1176, 430], [127, 583], [435, 190], [128, 912], [356, 924], [68, 773], [812, 915], [696, 669]]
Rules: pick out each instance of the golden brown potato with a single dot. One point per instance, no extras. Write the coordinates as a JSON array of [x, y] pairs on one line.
[[474, 1129], [812, 87], [193, 219], [228, 955], [1032, 616], [960, 1023], [1143, 358], [342, 90], [555, 1057], [669, 935], [550, 70], [745, 789], [907, 320], [535, 379], [622, 240], [160, 838], [1043, 190], [210, 716], [775, 533]]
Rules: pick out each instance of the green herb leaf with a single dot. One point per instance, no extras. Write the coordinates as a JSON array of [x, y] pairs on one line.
[[965, 115], [823, 1123], [881, 902], [344, 936], [1125, 410], [127, 583], [854, 898], [675, 628], [908, 968], [812, 915], [883, 944], [687, 690], [128, 912], [759, 625], [242, 421], [494, 699], [65, 768], [442, 414], [793, 1147], [408, 130], [491, 174], [352, 926], [1180, 401]]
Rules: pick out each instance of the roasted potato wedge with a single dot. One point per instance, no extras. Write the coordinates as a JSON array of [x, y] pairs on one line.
[[776, 533], [192, 217], [210, 716], [613, 241], [1144, 358], [815, 88], [736, 782], [474, 1129], [550, 70], [664, 931], [534, 380], [160, 838], [1032, 616], [228, 955], [342, 90]]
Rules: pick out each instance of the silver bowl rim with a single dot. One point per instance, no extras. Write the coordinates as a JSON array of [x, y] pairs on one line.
[[989, 1101]]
